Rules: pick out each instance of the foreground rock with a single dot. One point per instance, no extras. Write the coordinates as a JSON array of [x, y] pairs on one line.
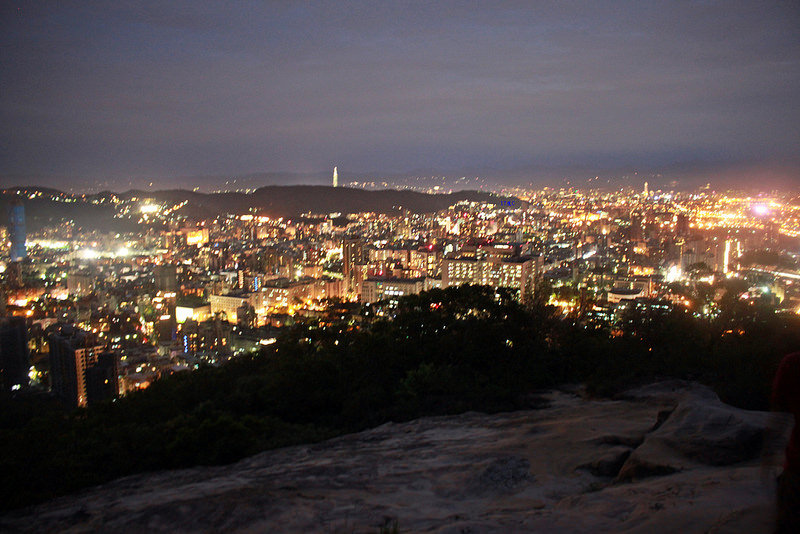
[[667, 458]]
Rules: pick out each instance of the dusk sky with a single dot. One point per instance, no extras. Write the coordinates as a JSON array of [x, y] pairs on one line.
[[175, 88]]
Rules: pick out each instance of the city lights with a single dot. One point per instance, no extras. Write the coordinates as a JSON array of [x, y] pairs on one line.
[[761, 210], [584, 213]]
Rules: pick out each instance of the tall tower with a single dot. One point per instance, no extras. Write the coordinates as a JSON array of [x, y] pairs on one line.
[[335, 177], [16, 232], [646, 190]]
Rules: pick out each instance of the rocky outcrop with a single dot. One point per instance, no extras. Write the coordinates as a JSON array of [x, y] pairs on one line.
[[665, 458], [700, 431]]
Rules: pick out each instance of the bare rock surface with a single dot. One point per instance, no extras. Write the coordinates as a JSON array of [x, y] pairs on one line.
[[666, 458], [699, 431]]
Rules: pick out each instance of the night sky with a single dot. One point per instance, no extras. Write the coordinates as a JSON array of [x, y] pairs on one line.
[[173, 89]]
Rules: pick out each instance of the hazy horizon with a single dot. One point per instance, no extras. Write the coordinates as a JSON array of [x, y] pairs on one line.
[[756, 178], [110, 91]]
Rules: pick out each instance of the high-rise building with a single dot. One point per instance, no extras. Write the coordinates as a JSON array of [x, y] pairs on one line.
[[517, 272], [719, 255], [14, 360], [166, 277], [636, 230], [206, 336], [228, 304], [16, 231], [80, 283], [383, 288], [101, 379], [354, 255], [682, 225], [335, 177], [72, 352]]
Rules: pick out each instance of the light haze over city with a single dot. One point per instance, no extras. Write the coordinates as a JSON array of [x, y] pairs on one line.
[[122, 93]]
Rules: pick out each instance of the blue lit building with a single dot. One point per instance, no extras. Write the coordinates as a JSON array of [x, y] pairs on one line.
[[16, 231]]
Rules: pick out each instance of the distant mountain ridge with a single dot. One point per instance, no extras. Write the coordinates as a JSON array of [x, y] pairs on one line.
[[273, 201], [756, 176], [293, 200]]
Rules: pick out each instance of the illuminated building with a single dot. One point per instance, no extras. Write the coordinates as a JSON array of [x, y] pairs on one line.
[[424, 261], [389, 288], [635, 233], [246, 316], [353, 258], [197, 313], [16, 231], [197, 237], [166, 277], [284, 292], [719, 255], [335, 177], [206, 336], [79, 283], [619, 294], [681, 224], [329, 288], [229, 304], [514, 272], [458, 271], [72, 352]]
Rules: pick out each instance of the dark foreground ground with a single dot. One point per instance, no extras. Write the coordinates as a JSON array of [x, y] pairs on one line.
[[665, 458]]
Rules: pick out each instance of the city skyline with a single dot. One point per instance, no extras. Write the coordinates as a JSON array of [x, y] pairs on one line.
[[399, 266], [514, 93]]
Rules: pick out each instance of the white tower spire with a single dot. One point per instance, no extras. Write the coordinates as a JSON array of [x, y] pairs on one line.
[[335, 177]]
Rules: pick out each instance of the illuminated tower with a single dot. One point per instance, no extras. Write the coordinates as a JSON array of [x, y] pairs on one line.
[[16, 231], [335, 177], [726, 257], [646, 190]]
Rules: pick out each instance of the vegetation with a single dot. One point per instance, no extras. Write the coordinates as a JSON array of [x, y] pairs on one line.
[[444, 351]]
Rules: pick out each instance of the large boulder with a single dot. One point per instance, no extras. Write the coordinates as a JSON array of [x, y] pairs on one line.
[[701, 430]]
